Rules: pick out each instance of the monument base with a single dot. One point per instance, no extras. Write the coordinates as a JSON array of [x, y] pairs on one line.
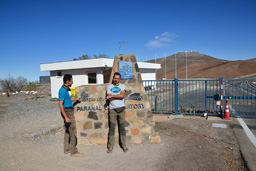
[[92, 114]]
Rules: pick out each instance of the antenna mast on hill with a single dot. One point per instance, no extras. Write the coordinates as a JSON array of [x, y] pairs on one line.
[[165, 65], [175, 67], [186, 65], [120, 46], [155, 69]]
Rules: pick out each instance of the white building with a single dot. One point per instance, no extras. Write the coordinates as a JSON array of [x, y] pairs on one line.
[[91, 71]]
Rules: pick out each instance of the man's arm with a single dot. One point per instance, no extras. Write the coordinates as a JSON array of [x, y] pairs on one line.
[[119, 96], [63, 111], [77, 99]]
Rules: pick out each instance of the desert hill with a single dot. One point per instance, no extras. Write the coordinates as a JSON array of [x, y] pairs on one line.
[[204, 66]]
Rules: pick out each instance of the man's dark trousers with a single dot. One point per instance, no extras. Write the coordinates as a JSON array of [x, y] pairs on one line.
[[120, 118], [70, 134]]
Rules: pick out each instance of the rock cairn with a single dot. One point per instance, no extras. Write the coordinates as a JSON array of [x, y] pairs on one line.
[[92, 114]]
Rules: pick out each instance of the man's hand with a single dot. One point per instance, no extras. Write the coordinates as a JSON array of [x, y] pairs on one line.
[[118, 96], [77, 100], [109, 97], [67, 120]]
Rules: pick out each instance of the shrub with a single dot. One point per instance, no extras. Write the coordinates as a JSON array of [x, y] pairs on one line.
[[13, 84], [32, 86]]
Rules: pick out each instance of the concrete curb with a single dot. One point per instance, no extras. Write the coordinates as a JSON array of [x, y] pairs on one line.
[[175, 116], [247, 149]]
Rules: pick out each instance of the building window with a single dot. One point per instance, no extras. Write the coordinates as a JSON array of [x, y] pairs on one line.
[[58, 73], [92, 78]]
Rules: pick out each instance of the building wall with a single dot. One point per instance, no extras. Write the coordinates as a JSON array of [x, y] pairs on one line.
[[80, 77], [148, 74]]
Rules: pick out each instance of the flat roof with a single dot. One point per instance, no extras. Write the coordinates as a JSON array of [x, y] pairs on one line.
[[90, 63]]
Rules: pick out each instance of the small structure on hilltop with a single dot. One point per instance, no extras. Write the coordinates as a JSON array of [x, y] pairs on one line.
[[92, 114]]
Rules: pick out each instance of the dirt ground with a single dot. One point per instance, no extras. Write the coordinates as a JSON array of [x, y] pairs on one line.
[[188, 143]]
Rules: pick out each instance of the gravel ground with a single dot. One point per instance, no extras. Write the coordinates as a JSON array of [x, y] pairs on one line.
[[188, 143], [28, 117]]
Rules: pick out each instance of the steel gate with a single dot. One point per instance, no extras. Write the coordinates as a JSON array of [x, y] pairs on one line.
[[242, 96], [196, 97]]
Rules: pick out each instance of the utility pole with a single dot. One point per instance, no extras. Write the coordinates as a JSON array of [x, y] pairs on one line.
[[186, 66], [120, 43], [175, 67], [165, 66], [155, 69]]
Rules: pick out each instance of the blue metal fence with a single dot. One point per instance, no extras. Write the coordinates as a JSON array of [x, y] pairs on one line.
[[160, 95], [196, 97], [242, 96]]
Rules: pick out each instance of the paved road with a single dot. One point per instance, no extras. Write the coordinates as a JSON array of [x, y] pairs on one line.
[[251, 123], [248, 149]]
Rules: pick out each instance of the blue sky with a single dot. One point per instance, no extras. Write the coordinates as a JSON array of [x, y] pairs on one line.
[[43, 31]]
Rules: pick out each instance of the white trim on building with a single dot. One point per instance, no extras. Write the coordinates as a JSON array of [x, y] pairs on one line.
[[81, 69]]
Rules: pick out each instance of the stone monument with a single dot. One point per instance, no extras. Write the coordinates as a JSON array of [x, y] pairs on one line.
[[92, 114]]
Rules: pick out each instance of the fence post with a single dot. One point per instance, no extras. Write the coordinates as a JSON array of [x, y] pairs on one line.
[[176, 89], [221, 95], [205, 96], [156, 98]]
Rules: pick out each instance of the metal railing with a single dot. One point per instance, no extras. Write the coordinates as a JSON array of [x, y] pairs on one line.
[[160, 95], [196, 97], [241, 95]]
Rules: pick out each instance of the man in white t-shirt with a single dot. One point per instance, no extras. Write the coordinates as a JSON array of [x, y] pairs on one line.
[[115, 95]]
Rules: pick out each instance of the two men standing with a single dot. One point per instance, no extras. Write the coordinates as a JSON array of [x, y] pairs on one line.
[[115, 95]]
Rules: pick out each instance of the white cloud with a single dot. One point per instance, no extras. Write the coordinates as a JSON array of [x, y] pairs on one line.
[[164, 33], [163, 40]]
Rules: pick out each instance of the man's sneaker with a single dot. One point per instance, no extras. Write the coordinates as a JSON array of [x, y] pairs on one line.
[[67, 152], [110, 149], [77, 154], [125, 149]]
